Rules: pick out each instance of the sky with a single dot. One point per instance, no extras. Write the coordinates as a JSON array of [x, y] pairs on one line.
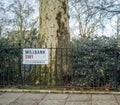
[[8, 15], [108, 30]]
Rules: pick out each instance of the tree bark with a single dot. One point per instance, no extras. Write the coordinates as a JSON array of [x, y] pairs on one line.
[[54, 30], [54, 23]]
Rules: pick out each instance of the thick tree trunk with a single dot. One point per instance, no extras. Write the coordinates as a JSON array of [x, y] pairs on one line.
[[54, 23], [54, 29]]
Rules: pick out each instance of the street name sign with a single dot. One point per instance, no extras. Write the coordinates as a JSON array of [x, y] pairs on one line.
[[35, 56]]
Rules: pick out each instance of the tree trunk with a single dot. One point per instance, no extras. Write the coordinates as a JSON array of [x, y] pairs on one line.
[[54, 30], [54, 23]]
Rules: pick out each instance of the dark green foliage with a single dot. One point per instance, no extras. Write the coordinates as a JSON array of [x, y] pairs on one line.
[[8, 62], [94, 60], [89, 62]]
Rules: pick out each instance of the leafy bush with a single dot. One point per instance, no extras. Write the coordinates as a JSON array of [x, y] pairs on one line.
[[9, 62], [94, 61]]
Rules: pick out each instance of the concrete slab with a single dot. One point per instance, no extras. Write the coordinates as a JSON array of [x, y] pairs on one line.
[[103, 100], [80, 97], [104, 103], [78, 103], [7, 98], [56, 97], [103, 97], [117, 99], [29, 99], [1, 93], [52, 102]]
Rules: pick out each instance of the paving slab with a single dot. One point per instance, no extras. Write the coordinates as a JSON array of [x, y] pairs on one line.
[[29, 99], [78, 103], [104, 100], [15, 98], [80, 97], [1, 93], [104, 103], [117, 99], [56, 97], [52, 102], [7, 98], [103, 97]]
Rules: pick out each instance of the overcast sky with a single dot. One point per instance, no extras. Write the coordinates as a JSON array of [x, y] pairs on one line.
[[108, 30]]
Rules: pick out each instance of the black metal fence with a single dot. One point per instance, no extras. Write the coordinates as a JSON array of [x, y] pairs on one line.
[[10, 67], [68, 68]]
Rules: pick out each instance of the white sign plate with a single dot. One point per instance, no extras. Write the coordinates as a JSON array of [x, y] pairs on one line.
[[35, 56]]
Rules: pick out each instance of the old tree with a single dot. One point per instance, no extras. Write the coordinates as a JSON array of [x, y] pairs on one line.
[[54, 29], [54, 23]]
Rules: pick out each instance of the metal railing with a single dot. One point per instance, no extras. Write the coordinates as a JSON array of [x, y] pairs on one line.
[[10, 64], [68, 68]]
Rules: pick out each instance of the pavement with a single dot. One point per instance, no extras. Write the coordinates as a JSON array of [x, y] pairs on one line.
[[42, 98]]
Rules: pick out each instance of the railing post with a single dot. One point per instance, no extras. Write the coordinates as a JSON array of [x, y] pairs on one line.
[[56, 68], [51, 66], [61, 66], [115, 68], [19, 64]]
